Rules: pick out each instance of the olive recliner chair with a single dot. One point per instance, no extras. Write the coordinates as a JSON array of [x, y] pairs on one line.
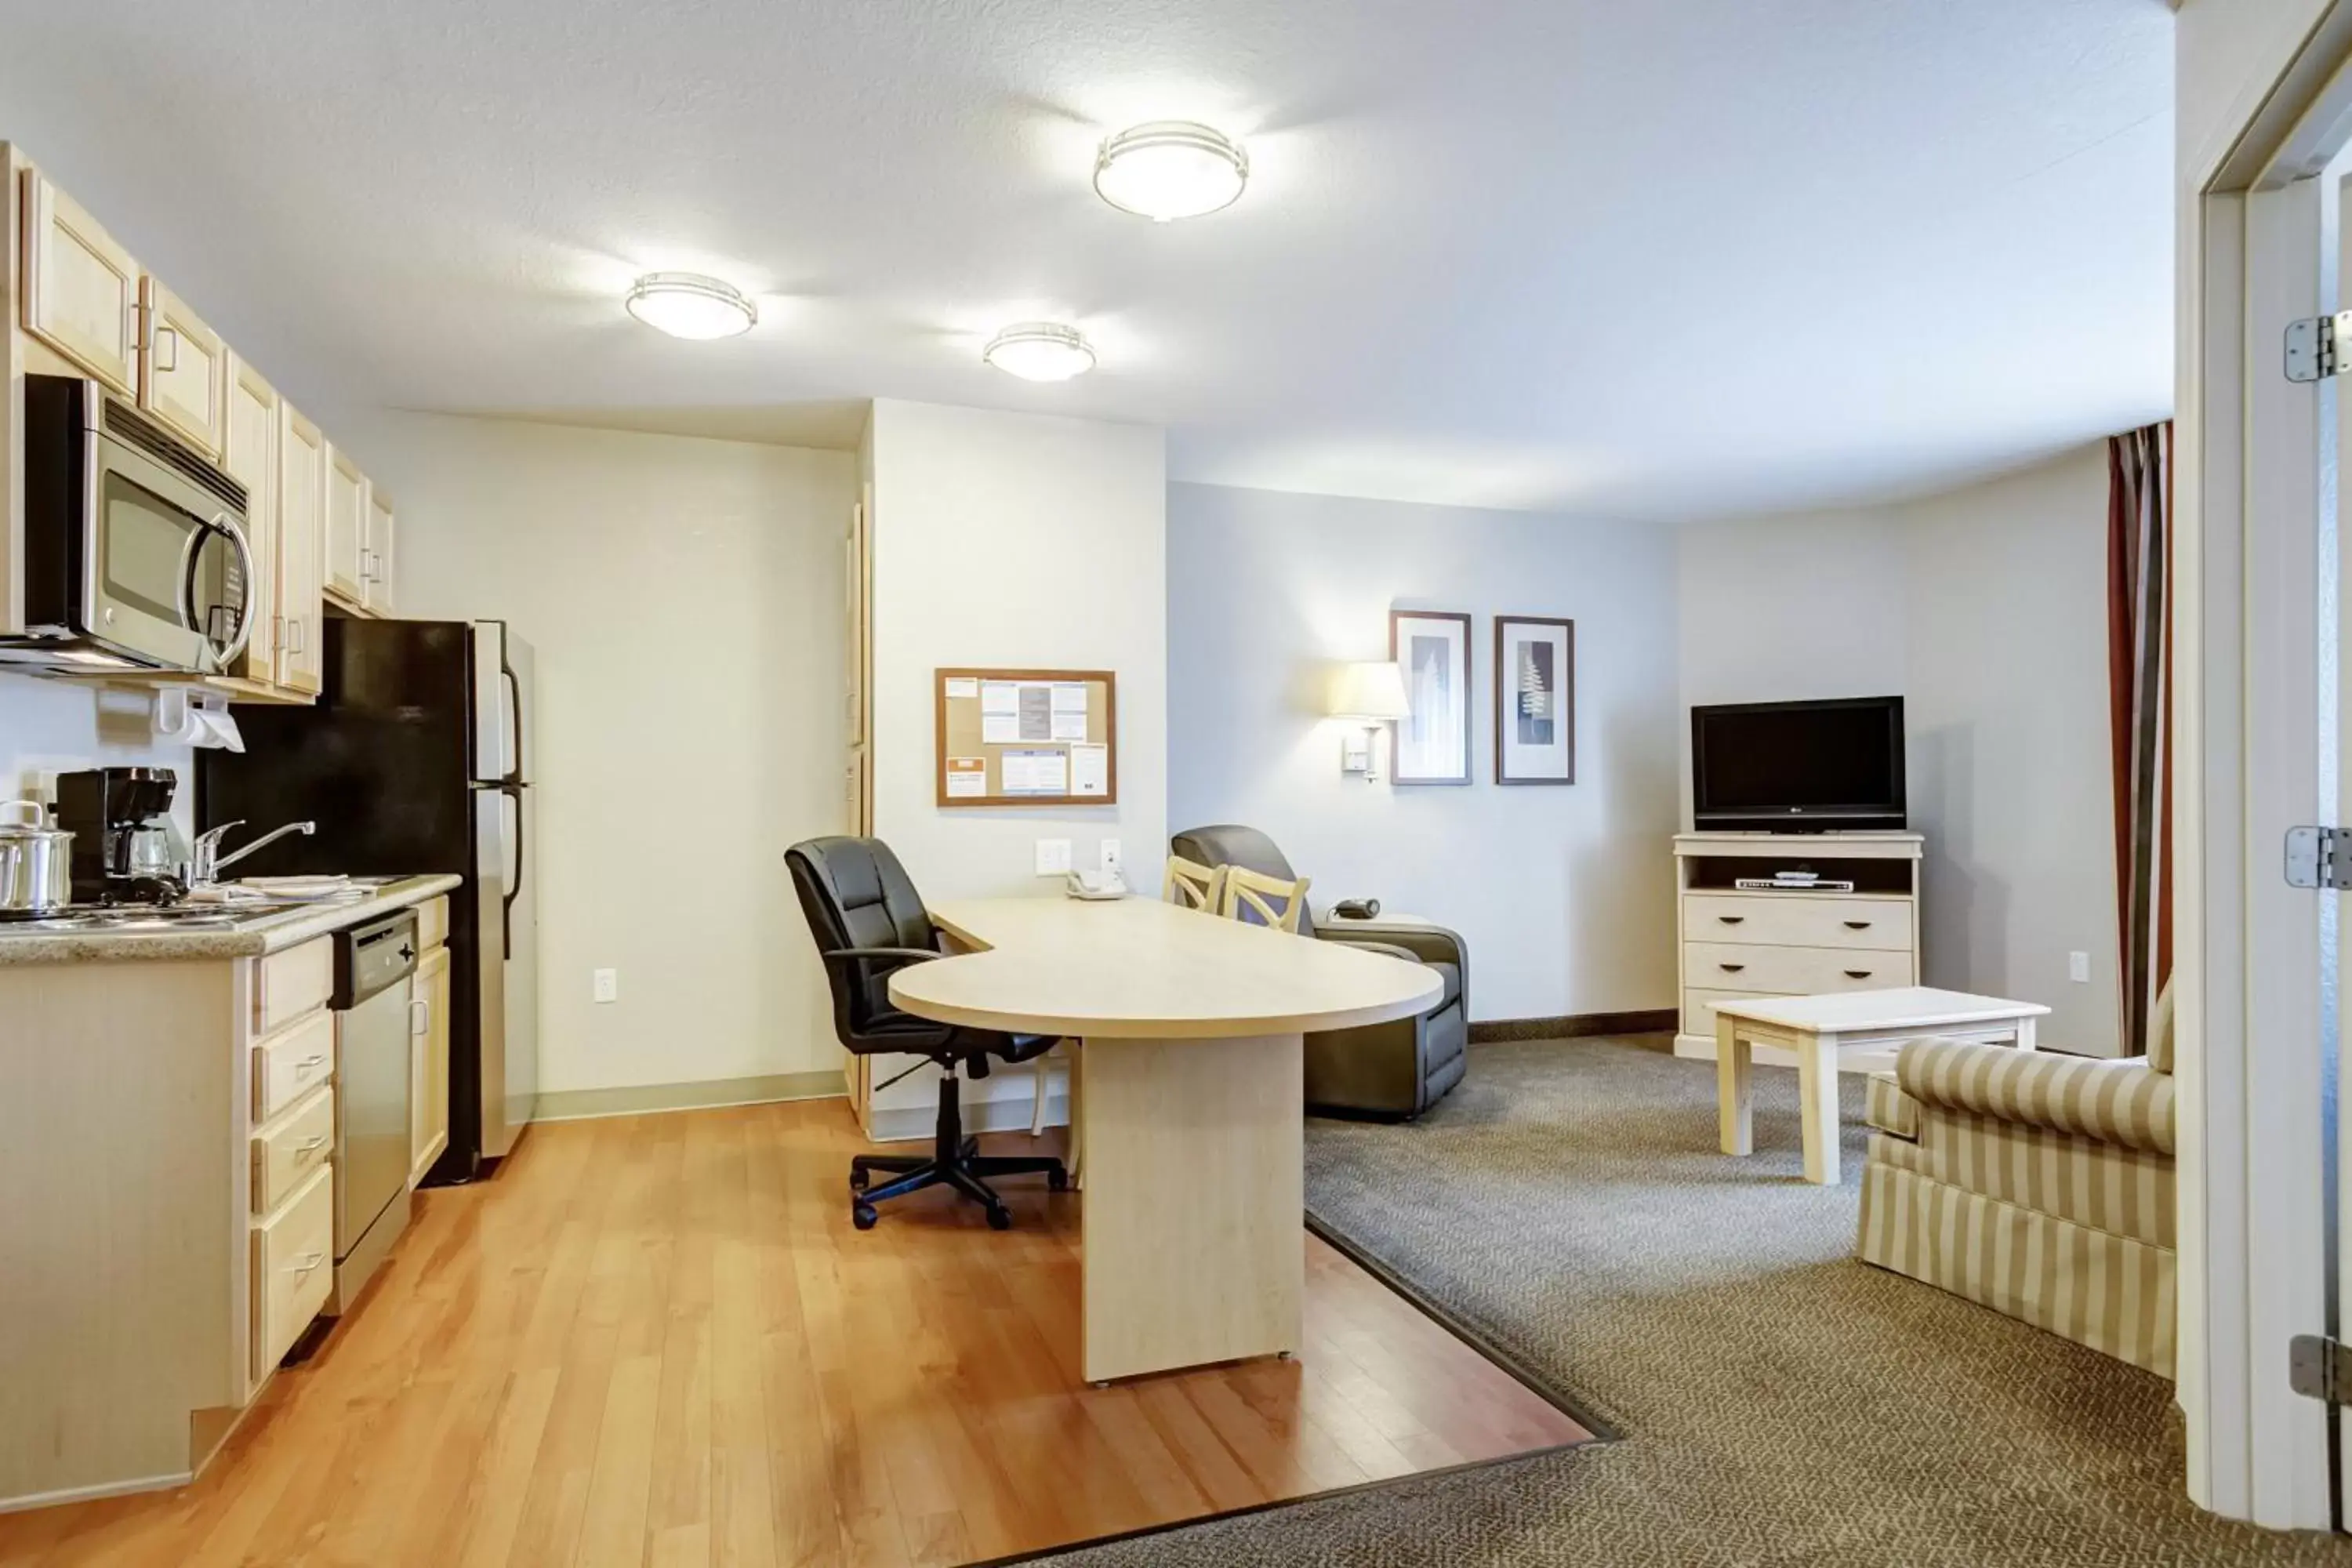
[[1392, 1071]]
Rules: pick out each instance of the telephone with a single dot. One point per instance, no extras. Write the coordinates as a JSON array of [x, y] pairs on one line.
[[1095, 885]]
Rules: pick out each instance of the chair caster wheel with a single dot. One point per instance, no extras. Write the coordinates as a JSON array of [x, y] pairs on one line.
[[999, 1217], [859, 1181], [862, 1215], [1058, 1181]]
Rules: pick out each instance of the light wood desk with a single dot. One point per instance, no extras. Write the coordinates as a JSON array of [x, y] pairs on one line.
[[1192, 1086]]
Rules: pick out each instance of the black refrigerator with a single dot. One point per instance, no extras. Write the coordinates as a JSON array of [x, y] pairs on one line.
[[418, 758]]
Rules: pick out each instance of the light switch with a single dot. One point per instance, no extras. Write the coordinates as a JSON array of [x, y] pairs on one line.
[[1110, 858], [1053, 857], [2078, 967], [608, 985]]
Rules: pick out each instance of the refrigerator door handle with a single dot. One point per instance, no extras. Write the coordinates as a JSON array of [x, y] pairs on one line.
[[513, 725], [513, 793]]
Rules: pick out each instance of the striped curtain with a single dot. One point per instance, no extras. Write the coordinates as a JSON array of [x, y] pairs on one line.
[[2139, 686]]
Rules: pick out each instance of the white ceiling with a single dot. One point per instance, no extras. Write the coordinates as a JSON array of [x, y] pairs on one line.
[[1652, 259]]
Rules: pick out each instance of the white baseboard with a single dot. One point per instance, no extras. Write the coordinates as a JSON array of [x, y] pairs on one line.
[[909, 1123], [636, 1100]]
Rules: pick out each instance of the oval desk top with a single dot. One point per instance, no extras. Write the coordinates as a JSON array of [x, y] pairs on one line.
[[1140, 969]]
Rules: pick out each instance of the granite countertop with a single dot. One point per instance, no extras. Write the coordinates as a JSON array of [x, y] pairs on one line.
[[248, 938]]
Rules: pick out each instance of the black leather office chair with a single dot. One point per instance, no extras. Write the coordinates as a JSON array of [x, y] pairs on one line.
[[868, 921], [1392, 1071]]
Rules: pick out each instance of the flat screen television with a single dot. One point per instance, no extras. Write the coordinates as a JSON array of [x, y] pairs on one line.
[[1798, 767]]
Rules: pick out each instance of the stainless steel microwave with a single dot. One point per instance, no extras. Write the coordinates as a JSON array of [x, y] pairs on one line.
[[134, 552]]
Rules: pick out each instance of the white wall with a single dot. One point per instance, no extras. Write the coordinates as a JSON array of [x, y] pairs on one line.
[[50, 727], [1564, 894], [1986, 609], [1020, 541], [685, 600]]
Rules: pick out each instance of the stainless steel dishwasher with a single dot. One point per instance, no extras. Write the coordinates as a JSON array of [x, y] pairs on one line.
[[376, 964]]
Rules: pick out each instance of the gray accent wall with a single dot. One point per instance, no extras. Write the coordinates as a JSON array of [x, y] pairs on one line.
[[1564, 893], [1986, 609]]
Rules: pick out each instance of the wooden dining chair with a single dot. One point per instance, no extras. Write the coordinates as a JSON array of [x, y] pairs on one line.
[[1193, 886], [1260, 900]]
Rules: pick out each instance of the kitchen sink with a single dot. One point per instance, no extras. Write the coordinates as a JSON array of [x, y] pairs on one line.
[[181, 917]]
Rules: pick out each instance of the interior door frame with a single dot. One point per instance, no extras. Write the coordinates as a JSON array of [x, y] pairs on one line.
[[2255, 1203]]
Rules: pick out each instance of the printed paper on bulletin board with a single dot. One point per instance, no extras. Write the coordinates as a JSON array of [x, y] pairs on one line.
[[1026, 737]]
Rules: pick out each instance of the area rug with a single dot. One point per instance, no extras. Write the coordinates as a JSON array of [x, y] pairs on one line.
[[1774, 1402]]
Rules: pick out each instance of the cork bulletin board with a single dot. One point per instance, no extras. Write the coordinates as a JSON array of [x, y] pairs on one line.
[[1027, 737]]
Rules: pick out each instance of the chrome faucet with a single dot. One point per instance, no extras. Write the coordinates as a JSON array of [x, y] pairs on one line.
[[205, 861]]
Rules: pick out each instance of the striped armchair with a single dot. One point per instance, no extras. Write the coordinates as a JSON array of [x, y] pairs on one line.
[[2039, 1185]]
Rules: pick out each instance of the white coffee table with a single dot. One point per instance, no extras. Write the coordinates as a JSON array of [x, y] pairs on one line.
[[1817, 1027]]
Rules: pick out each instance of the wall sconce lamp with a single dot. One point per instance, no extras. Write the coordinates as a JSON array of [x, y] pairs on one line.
[[1368, 696]]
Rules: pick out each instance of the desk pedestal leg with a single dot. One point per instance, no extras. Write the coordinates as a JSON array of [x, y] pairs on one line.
[[1194, 1222]]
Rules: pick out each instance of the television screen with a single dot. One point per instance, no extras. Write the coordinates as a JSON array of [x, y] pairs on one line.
[[1799, 766]]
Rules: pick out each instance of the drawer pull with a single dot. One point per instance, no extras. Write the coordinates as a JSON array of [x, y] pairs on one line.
[[309, 1260], [1731, 968], [1857, 925], [1857, 974], [307, 1063], [309, 1144], [1733, 920]]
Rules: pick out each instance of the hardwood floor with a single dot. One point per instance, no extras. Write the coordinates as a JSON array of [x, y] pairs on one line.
[[656, 1340]]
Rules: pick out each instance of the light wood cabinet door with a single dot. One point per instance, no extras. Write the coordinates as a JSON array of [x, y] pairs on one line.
[[377, 561], [428, 1073], [302, 549], [251, 460], [347, 507], [81, 290], [183, 373]]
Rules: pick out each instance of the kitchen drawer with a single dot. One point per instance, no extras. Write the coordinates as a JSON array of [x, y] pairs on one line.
[[1792, 971], [292, 1063], [432, 923], [289, 984], [293, 1269], [1698, 1007], [287, 1152], [1797, 919]]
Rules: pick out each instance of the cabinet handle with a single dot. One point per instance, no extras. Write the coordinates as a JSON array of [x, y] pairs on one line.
[[309, 1260], [307, 1144], [1731, 968], [135, 338], [294, 633], [1857, 925], [307, 1063], [1733, 920], [1857, 974], [161, 334], [420, 1015]]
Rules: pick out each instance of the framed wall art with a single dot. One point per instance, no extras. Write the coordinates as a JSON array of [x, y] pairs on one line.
[[1535, 701], [1432, 648]]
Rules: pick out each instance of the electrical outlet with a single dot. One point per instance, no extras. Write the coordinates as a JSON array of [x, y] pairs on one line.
[[1053, 857], [2078, 967], [1110, 858], [608, 985]]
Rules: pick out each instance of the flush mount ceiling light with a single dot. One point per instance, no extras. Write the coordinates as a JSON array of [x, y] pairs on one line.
[[1170, 169], [1040, 351], [689, 305]]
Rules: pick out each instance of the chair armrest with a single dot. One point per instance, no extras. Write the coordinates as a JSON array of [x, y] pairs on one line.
[[1430, 944], [877, 960], [2123, 1103]]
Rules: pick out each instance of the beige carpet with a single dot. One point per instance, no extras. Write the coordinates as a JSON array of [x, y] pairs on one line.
[[1777, 1402]]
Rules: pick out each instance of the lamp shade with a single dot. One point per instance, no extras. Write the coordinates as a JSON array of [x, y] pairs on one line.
[[1371, 691]]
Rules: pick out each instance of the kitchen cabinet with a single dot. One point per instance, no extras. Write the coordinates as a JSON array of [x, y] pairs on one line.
[[428, 1077], [183, 369], [250, 456], [347, 513], [81, 289], [302, 549], [375, 558]]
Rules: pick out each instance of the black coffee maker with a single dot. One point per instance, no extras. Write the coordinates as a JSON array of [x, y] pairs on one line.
[[126, 847]]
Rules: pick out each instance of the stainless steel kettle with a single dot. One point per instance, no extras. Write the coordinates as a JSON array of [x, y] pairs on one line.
[[36, 859]]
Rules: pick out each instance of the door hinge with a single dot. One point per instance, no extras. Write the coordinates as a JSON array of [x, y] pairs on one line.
[[2319, 1368], [2319, 858], [2318, 347]]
